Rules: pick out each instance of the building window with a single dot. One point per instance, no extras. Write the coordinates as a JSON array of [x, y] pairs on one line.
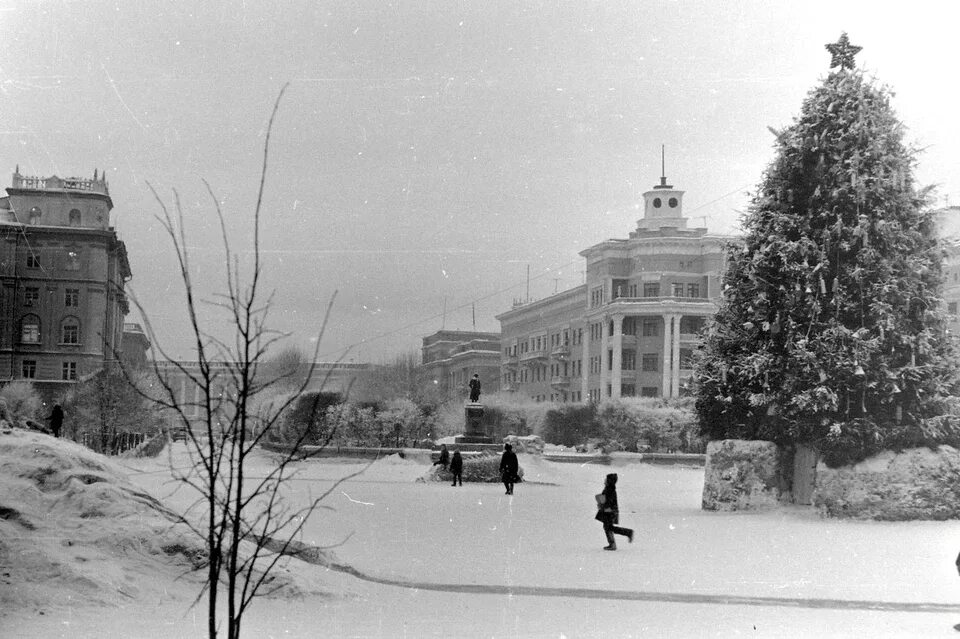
[[596, 296], [686, 358], [69, 371], [693, 290], [33, 261], [74, 217], [73, 261], [651, 290], [649, 391], [650, 363], [35, 214], [71, 297], [691, 325], [31, 296], [651, 327], [70, 331], [629, 360], [627, 390], [28, 369], [678, 290], [30, 330]]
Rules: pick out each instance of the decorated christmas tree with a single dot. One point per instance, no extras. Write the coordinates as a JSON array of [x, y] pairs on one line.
[[829, 331]]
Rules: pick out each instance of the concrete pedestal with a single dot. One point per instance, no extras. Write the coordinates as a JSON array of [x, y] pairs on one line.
[[473, 432]]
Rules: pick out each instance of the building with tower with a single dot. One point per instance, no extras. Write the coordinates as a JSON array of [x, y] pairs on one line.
[[631, 328], [63, 270]]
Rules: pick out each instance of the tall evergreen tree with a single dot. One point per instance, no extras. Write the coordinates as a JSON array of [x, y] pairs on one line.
[[829, 330]]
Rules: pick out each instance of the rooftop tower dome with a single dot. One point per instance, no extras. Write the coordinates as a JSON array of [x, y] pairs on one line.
[[663, 205]]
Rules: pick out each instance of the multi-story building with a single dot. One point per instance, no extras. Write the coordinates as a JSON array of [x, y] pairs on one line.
[[330, 377], [630, 330], [63, 271], [451, 358]]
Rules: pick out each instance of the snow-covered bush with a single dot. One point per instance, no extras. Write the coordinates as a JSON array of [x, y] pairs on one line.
[[22, 401], [481, 468], [630, 423]]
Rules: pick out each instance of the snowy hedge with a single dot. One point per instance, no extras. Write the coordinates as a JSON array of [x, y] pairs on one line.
[[482, 468]]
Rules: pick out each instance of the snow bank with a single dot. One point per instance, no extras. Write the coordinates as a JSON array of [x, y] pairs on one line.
[[78, 529], [915, 484], [74, 530]]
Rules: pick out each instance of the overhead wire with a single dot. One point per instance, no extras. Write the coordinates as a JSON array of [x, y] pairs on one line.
[[494, 293]]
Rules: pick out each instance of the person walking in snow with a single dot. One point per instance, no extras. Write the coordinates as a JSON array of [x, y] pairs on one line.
[[456, 467], [509, 466], [56, 420], [608, 513], [444, 457]]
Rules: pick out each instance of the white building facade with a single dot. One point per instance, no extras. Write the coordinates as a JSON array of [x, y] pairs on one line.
[[632, 327]]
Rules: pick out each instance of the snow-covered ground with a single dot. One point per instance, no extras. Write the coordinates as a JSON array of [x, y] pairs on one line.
[[472, 562]]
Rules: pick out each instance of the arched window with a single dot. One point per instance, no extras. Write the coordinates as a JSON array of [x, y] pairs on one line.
[[70, 330], [30, 329], [74, 217], [35, 214]]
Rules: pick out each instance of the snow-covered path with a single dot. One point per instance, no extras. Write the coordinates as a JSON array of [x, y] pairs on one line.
[[472, 562], [545, 535]]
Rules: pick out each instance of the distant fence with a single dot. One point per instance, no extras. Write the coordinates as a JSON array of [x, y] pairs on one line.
[[122, 443]]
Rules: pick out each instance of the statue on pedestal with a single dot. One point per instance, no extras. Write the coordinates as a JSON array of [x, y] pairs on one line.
[[475, 389]]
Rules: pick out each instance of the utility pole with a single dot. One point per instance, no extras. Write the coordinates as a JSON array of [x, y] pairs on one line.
[[528, 283]]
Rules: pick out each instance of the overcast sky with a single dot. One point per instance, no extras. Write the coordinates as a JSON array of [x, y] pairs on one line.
[[427, 152]]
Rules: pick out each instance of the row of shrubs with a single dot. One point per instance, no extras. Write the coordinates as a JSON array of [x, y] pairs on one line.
[[631, 424]]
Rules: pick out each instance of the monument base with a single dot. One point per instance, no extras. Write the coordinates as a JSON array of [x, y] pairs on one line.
[[474, 432]]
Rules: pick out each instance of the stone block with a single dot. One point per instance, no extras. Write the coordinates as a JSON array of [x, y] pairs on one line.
[[917, 483], [741, 475]]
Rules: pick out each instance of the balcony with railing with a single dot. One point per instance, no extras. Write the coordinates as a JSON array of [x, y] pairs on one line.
[[533, 356], [560, 380], [91, 185], [560, 352], [661, 300]]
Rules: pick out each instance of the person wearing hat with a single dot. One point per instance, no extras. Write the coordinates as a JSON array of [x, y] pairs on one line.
[[608, 513], [508, 468]]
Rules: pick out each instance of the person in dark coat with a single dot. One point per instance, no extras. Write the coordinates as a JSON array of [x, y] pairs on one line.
[[56, 420], [456, 467], [609, 513], [508, 468], [475, 389], [444, 457]]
